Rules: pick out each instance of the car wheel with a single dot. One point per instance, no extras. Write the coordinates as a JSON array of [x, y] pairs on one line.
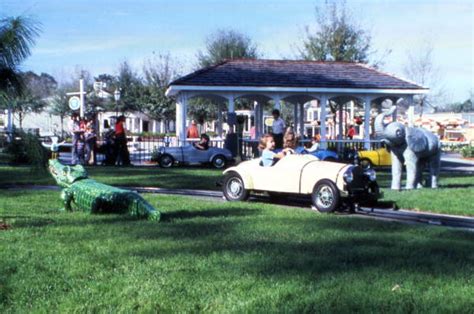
[[325, 196], [365, 163], [331, 159], [234, 189], [218, 162], [166, 161]]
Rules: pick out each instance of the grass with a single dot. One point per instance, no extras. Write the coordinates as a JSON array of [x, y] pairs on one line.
[[176, 178], [225, 257], [453, 197]]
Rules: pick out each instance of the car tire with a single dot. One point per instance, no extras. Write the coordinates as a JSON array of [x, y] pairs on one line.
[[234, 189], [325, 196], [166, 161], [218, 162], [365, 163]]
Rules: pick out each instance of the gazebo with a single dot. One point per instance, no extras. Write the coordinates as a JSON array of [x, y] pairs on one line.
[[295, 82]]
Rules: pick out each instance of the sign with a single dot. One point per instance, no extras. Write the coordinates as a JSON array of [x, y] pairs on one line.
[[269, 121], [74, 103]]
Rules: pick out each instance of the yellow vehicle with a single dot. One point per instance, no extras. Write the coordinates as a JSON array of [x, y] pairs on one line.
[[375, 158]]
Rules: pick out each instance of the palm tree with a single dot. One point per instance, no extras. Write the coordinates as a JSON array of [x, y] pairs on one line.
[[17, 35]]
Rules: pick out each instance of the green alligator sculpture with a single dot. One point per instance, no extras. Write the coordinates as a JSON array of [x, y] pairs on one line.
[[90, 195]]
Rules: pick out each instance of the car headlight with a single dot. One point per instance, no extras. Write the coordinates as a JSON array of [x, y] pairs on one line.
[[348, 176], [371, 174]]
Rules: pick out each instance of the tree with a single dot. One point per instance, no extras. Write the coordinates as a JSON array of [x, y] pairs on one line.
[[421, 69], [131, 89], [17, 35], [221, 45], [60, 106], [226, 44], [159, 72], [336, 38]]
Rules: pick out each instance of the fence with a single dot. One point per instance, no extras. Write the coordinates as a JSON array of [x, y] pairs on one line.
[[141, 148]]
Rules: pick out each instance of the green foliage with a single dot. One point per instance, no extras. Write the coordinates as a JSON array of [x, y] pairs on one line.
[[468, 151], [222, 257], [131, 89], [17, 35], [26, 148], [337, 37], [159, 73], [227, 44]]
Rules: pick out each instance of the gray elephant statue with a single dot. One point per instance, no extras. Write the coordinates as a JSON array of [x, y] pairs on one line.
[[415, 147]]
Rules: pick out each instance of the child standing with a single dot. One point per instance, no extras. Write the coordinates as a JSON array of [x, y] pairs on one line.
[[267, 145]]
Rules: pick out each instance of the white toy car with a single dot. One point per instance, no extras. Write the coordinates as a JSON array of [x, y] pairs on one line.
[[190, 155], [329, 184]]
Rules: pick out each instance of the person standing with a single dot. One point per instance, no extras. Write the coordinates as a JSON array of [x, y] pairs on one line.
[[90, 138], [123, 156], [192, 131], [351, 132], [76, 133], [278, 128]]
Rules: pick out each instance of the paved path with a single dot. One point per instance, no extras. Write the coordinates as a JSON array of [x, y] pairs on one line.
[[454, 162]]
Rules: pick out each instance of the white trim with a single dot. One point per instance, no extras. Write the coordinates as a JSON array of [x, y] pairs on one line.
[[175, 89]]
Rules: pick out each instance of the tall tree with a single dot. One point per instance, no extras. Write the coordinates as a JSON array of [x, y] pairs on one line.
[[336, 36], [159, 71], [59, 106], [421, 69], [17, 35], [227, 44], [224, 44], [131, 89]]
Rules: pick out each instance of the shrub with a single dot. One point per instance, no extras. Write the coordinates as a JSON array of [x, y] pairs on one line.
[[26, 148], [467, 151]]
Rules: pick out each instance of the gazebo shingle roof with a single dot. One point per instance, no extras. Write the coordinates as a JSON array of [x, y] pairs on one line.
[[289, 73]]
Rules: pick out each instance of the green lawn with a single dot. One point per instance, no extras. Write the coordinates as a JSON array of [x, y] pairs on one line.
[[454, 196], [225, 257]]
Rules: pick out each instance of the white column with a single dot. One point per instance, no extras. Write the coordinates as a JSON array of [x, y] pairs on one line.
[[132, 125], [351, 118], [219, 120], [230, 107], [367, 105], [181, 108], [301, 120], [411, 110], [323, 99], [81, 97]]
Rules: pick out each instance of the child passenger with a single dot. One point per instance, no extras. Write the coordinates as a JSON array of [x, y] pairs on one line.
[[290, 140], [267, 145]]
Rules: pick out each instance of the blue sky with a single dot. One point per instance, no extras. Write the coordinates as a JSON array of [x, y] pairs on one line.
[[99, 34]]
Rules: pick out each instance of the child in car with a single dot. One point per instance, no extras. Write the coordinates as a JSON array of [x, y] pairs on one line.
[[203, 144], [267, 145]]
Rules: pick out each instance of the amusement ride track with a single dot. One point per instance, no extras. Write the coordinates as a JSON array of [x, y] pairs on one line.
[[405, 216]]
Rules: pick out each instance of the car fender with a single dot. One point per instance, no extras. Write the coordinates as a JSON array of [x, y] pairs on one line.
[[246, 177], [318, 170]]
